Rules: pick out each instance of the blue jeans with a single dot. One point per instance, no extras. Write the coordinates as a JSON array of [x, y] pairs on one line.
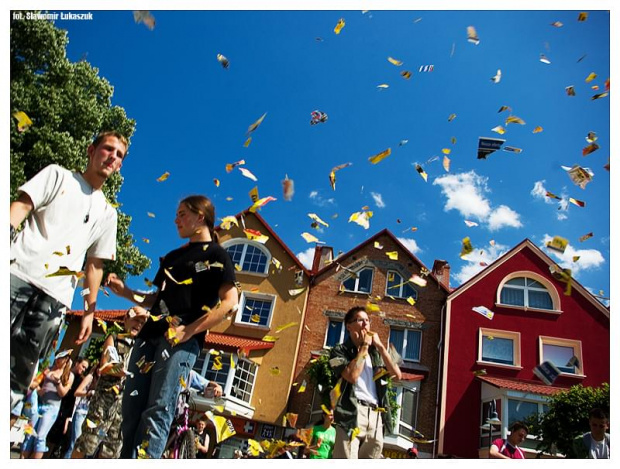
[[76, 428], [148, 415], [47, 416]]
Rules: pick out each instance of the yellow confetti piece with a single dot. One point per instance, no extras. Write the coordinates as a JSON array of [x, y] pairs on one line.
[[339, 26], [163, 177], [256, 235], [254, 447], [361, 218], [274, 371], [269, 338], [411, 301], [228, 221], [302, 388], [231, 166], [23, 121], [393, 255], [255, 125], [499, 129], [316, 219], [261, 203], [537, 129], [472, 35], [188, 281], [255, 318], [406, 74], [379, 374], [591, 77], [285, 326], [383, 86], [393, 61], [182, 382], [247, 142], [372, 308], [446, 151], [232, 362], [514, 120], [466, 247], [103, 325], [309, 238], [354, 433], [217, 363], [64, 271], [90, 424], [380, 156]]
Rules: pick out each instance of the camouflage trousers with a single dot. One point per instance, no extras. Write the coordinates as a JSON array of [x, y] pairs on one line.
[[102, 425]]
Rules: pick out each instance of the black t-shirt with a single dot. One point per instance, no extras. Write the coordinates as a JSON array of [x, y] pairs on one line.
[[188, 279]]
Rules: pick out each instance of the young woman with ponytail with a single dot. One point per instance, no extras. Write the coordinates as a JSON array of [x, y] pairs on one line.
[[195, 291]]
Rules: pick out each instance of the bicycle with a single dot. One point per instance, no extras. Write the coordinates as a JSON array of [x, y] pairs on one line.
[[181, 442]]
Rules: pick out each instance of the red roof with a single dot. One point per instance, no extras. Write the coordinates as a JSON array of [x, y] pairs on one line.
[[103, 314], [215, 339], [521, 385]]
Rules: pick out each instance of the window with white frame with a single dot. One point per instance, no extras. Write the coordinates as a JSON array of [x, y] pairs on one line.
[[527, 292], [399, 287], [499, 347], [407, 342], [237, 382], [519, 410], [250, 256], [255, 309], [336, 333], [565, 354], [361, 282], [407, 398]]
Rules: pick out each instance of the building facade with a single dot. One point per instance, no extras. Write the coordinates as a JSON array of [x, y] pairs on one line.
[[489, 357], [366, 273]]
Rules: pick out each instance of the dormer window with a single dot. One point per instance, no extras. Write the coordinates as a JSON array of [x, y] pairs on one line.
[[360, 282]]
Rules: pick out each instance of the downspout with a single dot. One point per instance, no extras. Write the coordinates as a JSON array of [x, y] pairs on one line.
[[439, 379]]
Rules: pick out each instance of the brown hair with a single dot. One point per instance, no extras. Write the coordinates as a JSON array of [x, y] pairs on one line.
[[111, 133], [203, 206], [516, 426], [350, 316]]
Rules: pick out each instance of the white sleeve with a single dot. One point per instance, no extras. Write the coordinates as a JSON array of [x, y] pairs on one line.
[[44, 186]]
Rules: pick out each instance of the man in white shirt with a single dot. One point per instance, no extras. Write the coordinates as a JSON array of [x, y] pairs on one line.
[[67, 219], [596, 444], [362, 409]]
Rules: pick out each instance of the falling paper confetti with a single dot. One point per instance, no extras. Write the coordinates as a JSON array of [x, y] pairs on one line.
[[421, 171], [486, 312], [255, 125], [472, 35], [144, 16], [585, 236], [332, 174], [393, 61], [544, 59], [558, 244], [163, 177], [223, 60], [406, 74], [466, 247], [361, 218], [339, 26], [23, 121], [380, 156], [248, 174], [231, 166], [497, 77]]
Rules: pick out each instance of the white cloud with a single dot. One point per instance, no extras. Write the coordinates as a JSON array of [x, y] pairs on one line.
[[478, 260], [465, 192], [378, 199], [539, 192], [410, 244], [503, 216], [306, 257], [588, 258], [317, 199]]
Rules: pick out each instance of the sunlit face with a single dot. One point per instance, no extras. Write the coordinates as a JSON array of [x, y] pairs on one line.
[[188, 223], [201, 425], [133, 325], [360, 323], [81, 367], [106, 158]]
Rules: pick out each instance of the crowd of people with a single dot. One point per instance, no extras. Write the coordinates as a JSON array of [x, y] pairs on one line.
[[125, 406]]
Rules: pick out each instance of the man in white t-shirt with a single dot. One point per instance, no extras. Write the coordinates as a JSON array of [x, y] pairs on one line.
[[362, 409], [67, 218], [596, 444]]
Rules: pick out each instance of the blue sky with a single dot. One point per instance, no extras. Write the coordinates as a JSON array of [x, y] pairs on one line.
[[192, 116]]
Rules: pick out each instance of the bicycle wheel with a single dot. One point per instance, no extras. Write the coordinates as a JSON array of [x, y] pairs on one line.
[[187, 445]]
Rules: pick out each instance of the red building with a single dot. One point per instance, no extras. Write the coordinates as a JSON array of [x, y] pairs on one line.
[[534, 321]]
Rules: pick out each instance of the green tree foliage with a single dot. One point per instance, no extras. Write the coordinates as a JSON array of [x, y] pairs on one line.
[[68, 103], [567, 418]]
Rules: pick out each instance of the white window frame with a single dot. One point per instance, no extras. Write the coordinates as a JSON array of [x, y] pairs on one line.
[[411, 386], [402, 352], [248, 242], [342, 332], [577, 352], [516, 347], [256, 296], [551, 290], [230, 377], [401, 288], [357, 281]]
